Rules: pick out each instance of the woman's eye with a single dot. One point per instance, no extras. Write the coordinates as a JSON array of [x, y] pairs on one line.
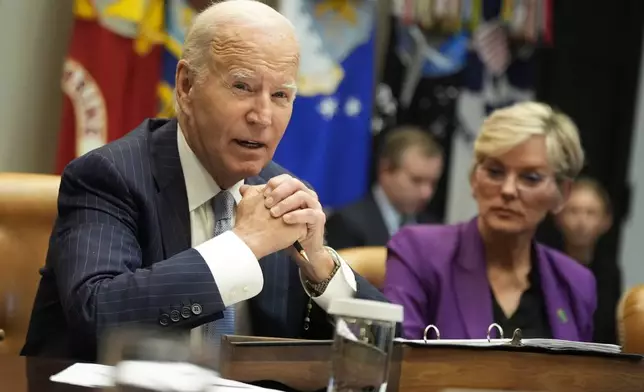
[[494, 172], [532, 178]]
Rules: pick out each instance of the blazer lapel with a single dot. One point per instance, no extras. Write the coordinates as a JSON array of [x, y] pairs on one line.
[[270, 306], [171, 199], [472, 288], [425, 217], [375, 223], [560, 315]]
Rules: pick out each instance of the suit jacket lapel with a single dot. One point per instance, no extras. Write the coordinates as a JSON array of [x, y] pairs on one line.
[[473, 294], [560, 315], [171, 199], [270, 307], [375, 223], [425, 217]]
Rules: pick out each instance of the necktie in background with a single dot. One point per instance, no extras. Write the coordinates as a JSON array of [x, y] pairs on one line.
[[223, 206], [406, 220]]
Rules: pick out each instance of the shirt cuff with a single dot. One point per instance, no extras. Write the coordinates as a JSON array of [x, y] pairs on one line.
[[233, 266], [342, 285]]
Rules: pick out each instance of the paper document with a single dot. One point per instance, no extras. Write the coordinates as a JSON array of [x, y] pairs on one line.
[[556, 344], [550, 344], [175, 376], [86, 375]]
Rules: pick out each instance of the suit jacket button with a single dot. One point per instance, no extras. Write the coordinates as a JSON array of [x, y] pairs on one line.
[[175, 316], [186, 312], [164, 319], [196, 309]]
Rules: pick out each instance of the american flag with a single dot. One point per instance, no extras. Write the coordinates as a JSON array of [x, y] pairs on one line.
[[491, 44]]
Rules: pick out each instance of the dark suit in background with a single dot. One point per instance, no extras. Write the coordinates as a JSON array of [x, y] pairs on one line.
[[361, 224], [608, 275], [120, 255]]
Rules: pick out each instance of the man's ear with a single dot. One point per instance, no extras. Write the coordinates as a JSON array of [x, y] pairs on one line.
[[384, 166], [607, 223], [565, 188], [184, 81]]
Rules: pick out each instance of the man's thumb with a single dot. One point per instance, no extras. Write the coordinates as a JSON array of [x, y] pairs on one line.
[[250, 190]]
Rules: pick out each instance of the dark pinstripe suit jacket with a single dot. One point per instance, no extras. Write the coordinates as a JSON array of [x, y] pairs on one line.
[[120, 254]]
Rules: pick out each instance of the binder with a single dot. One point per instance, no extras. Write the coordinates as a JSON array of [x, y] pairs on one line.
[[432, 338]]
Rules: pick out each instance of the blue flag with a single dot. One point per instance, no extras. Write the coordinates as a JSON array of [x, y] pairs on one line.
[[328, 141], [178, 16]]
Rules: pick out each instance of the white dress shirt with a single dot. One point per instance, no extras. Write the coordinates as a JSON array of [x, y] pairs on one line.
[[390, 215], [233, 265]]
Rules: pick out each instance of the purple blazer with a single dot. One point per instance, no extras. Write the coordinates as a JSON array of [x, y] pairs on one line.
[[438, 274]]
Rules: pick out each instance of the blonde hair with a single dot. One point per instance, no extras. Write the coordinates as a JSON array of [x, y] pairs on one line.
[[509, 127]]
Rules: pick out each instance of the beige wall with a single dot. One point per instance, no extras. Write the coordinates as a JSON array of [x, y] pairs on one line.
[[632, 246], [33, 40]]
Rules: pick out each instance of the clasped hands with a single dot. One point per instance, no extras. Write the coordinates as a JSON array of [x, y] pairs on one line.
[[272, 217]]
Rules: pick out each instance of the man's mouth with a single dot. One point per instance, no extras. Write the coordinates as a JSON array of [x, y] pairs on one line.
[[251, 144]]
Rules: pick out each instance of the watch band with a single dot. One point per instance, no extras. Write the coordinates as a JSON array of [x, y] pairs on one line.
[[318, 289]]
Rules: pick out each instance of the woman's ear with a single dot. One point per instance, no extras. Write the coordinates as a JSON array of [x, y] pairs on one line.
[[473, 181], [564, 188]]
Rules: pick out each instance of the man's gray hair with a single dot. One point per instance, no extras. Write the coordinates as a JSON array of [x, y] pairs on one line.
[[211, 21]]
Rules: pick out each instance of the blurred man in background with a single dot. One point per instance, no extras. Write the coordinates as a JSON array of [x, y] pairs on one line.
[[586, 217], [410, 165]]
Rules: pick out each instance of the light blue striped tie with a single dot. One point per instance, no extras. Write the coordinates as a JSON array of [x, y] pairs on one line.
[[223, 206]]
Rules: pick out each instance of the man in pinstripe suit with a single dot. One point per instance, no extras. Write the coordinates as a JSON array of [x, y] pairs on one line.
[[148, 232]]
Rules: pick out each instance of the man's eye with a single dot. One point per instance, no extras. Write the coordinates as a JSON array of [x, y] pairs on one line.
[[241, 86], [281, 94]]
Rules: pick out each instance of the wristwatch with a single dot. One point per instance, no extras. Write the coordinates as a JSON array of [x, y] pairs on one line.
[[317, 289]]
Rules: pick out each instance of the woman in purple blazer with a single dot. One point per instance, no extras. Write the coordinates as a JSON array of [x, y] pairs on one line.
[[464, 277]]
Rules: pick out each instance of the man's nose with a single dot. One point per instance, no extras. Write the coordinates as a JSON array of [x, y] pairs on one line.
[[262, 113]]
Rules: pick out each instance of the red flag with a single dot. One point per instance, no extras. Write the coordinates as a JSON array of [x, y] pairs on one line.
[[109, 88]]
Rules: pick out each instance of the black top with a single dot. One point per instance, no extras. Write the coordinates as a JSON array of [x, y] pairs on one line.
[[530, 316]]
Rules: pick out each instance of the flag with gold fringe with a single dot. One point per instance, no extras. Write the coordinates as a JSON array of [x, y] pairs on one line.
[[178, 17], [110, 74]]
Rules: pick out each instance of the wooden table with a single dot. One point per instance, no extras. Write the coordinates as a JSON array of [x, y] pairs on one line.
[[22, 374], [305, 367]]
